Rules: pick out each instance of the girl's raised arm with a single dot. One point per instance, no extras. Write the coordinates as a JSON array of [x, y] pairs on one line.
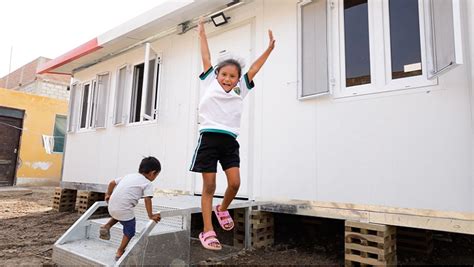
[[261, 60], [205, 54]]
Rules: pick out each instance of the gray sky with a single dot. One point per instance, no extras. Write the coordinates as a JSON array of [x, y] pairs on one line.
[[50, 28]]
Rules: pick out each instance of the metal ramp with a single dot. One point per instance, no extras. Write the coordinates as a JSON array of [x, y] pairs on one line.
[[163, 243]]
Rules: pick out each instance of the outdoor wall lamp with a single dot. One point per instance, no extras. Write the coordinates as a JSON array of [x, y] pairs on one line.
[[219, 19]]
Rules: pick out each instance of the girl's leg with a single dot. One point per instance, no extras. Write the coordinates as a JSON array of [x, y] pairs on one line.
[[233, 184], [208, 189]]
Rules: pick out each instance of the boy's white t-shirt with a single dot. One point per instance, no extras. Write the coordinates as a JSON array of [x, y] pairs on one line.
[[127, 192], [220, 111]]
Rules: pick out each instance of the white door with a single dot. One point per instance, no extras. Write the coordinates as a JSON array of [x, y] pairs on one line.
[[236, 41]]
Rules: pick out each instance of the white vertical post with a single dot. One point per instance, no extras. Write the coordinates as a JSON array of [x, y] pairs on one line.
[[145, 81]]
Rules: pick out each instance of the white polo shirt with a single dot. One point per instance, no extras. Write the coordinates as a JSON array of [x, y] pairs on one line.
[[127, 192], [220, 111]]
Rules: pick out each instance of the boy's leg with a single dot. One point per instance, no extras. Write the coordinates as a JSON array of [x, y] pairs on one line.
[[208, 189], [233, 185], [128, 232], [110, 223], [104, 232], [123, 245]]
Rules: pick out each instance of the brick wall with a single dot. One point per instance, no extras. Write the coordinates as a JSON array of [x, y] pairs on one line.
[[25, 79], [46, 88]]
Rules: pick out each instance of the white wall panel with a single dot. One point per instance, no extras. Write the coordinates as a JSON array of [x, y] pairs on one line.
[[410, 148]]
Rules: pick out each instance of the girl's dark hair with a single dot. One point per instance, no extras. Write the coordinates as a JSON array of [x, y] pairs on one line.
[[149, 164], [228, 62]]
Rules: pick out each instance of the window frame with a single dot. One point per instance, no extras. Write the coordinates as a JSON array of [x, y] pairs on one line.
[[156, 87], [300, 89], [74, 107], [127, 84], [65, 133], [92, 107], [380, 53], [431, 20], [131, 97], [99, 101], [406, 82], [91, 95], [81, 107]]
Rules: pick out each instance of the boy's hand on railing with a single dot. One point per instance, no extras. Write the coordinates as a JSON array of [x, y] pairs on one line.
[[107, 197], [155, 217]]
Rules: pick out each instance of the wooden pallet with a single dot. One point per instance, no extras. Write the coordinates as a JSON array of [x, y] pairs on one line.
[[85, 199], [261, 228], [370, 244], [63, 199], [418, 241]]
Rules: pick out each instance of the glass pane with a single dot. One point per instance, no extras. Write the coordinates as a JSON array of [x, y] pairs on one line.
[[138, 72], [156, 86], [85, 99], [314, 49], [72, 107], [405, 38], [150, 90], [59, 133], [103, 88], [356, 33], [119, 96], [93, 104]]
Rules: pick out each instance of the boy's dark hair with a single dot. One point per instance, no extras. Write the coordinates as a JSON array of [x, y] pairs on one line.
[[149, 164], [228, 62]]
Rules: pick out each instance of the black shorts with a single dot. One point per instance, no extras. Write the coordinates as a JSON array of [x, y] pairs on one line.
[[213, 147]]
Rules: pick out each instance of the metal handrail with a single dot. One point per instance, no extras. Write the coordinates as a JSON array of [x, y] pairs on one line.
[[148, 228], [80, 221]]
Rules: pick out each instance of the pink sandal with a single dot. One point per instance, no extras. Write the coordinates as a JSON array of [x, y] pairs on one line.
[[224, 219], [209, 238]]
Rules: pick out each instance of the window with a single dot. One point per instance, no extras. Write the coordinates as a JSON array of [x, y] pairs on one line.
[[357, 47], [102, 94], [119, 116], [405, 38], [85, 105], [313, 63], [137, 90], [144, 97], [444, 31], [74, 107], [377, 46], [91, 103], [59, 133]]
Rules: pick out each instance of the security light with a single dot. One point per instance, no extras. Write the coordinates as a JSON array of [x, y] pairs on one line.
[[219, 19]]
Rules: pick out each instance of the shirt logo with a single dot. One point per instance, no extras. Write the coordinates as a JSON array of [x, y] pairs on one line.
[[237, 90]]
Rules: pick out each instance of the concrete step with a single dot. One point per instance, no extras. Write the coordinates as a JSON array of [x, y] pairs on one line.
[[85, 252], [81, 244]]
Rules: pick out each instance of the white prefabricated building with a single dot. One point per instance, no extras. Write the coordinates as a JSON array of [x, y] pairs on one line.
[[364, 106]]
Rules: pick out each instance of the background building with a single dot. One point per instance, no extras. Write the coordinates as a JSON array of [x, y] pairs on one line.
[[24, 119], [25, 79]]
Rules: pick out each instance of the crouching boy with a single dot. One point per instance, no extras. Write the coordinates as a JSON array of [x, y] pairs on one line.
[[123, 195]]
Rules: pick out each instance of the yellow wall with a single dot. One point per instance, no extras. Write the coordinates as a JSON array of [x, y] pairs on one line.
[[40, 114]]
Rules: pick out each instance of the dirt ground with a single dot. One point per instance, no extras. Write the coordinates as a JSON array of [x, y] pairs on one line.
[[27, 232], [29, 228]]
